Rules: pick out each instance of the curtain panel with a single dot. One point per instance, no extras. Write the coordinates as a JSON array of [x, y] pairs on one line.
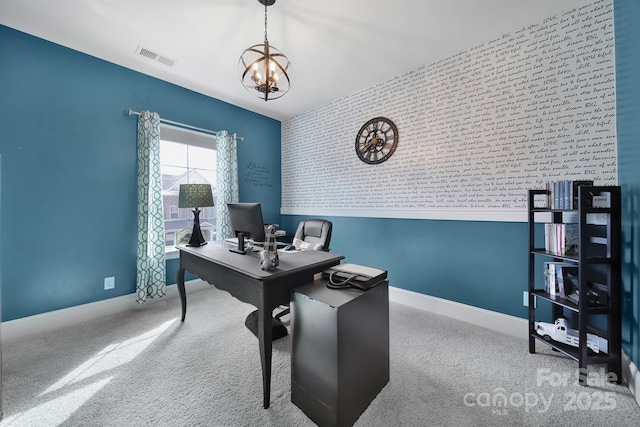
[[227, 182], [150, 259]]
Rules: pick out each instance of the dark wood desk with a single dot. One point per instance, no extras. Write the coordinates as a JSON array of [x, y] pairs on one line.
[[241, 276]]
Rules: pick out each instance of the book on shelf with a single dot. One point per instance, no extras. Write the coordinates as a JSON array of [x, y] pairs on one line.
[[568, 276], [550, 195], [561, 239], [570, 239], [564, 194], [560, 278], [553, 188], [549, 237], [550, 282]]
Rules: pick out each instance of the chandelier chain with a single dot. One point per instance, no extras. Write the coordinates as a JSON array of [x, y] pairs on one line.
[[265, 21]]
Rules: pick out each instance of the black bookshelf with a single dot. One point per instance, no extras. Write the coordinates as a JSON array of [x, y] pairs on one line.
[[599, 265]]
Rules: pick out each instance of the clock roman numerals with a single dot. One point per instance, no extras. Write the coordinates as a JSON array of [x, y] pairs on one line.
[[376, 140]]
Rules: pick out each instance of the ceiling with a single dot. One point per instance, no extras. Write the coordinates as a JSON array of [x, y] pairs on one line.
[[336, 47]]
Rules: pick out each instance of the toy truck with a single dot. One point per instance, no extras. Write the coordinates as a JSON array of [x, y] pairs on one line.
[[559, 331]]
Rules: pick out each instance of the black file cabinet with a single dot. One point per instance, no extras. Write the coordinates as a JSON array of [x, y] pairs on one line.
[[340, 350]]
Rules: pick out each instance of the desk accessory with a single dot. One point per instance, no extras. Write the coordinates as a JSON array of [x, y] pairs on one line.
[[269, 256], [195, 196], [348, 275], [240, 248]]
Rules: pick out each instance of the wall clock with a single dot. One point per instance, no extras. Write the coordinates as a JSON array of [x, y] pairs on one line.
[[377, 140]]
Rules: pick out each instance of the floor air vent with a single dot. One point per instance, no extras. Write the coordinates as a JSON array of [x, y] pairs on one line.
[[155, 56]]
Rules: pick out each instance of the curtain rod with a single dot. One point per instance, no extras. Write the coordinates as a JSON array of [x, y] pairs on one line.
[[170, 122]]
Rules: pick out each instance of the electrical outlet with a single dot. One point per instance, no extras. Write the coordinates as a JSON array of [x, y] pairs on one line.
[[109, 283], [525, 299]]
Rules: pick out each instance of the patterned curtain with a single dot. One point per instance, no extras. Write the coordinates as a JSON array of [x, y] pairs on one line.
[[150, 262], [227, 181]]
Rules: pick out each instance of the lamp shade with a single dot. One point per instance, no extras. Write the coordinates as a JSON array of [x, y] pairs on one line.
[[195, 196]]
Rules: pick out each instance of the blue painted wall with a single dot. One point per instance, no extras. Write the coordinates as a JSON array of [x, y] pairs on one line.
[[69, 169], [627, 16], [478, 263]]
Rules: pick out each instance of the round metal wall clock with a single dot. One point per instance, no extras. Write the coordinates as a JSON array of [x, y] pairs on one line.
[[377, 140]]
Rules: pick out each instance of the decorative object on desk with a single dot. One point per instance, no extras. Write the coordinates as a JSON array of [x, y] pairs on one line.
[[377, 140], [264, 68], [195, 196], [269, 256]]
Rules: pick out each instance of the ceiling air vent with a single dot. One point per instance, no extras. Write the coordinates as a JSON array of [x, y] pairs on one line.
[[155, 56], [166, 61]]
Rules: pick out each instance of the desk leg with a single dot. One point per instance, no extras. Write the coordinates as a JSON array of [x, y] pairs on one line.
[[265, 343], [182, 292]]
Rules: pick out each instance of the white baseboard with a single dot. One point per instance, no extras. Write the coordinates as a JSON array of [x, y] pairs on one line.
[[510, 325], [631, 376], [52, 320], [498, 322]]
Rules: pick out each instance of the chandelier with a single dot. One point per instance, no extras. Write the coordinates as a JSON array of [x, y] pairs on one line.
[[264, 69]]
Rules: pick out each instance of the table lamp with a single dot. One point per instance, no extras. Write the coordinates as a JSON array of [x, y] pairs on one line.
[[195, 196]]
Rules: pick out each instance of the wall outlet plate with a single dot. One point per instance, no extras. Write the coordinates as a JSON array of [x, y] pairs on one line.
[[109, 283], [525, 299]]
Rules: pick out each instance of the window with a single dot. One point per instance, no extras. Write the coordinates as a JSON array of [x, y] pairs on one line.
[[186, 157]]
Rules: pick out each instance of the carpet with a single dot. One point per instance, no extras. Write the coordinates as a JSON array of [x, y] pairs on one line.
[[146, 368]]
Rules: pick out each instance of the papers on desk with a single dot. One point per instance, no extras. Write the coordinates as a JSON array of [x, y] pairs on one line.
[[282, 251]]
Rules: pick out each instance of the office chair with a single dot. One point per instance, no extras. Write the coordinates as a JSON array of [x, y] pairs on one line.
[[312, 234]]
